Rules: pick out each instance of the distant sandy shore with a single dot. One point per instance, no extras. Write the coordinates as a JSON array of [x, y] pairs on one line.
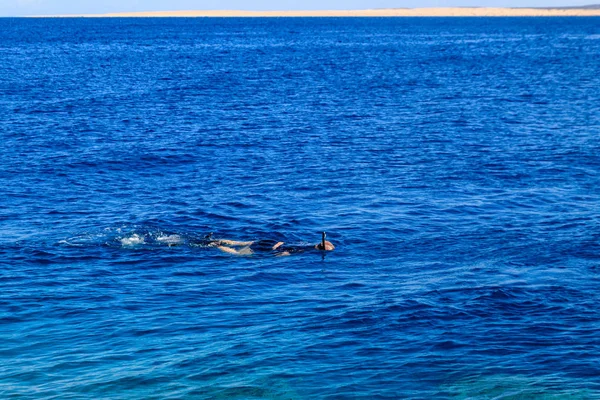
[[395, 12]]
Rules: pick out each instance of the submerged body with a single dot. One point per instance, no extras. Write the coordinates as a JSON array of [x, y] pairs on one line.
[[269, 246]]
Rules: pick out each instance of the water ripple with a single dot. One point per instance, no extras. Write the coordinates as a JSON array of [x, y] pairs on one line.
[[454, 163]]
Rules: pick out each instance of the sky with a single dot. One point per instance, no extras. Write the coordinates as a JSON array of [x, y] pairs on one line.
[[37, 7]]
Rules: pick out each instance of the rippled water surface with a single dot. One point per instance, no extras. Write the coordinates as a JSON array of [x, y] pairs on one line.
[[454, 163]]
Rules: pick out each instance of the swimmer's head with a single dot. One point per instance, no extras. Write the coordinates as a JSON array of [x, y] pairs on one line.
[[325, 244], [327, 247]]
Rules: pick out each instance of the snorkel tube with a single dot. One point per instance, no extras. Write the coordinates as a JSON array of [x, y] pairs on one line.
[[323, 241]]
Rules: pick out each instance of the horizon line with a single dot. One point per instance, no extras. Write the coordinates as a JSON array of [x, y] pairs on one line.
[[481, 11]]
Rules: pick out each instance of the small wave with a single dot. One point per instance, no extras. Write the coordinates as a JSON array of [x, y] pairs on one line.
[[126, 236], [68, 243]]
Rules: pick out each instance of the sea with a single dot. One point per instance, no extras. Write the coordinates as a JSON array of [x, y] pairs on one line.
[[453, 162]]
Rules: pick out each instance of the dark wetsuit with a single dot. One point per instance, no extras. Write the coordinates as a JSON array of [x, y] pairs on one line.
[[266, 246], [207, 242]]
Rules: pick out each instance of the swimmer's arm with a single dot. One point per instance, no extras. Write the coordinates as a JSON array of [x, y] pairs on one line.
[[246, 251], [278, 245], [234, 243], [227, 250]]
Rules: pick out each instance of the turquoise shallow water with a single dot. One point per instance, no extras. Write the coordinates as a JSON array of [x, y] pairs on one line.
[[453, 162]]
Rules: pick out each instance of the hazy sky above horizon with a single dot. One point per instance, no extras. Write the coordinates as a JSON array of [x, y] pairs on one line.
[[31, 7]]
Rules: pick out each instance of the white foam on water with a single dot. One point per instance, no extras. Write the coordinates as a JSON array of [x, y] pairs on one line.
[[169, 239], [132, 240]]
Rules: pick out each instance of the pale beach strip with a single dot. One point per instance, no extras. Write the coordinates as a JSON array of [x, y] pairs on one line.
[[391, 12]]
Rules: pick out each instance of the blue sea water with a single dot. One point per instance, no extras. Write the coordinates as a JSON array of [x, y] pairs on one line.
[[454, 163]]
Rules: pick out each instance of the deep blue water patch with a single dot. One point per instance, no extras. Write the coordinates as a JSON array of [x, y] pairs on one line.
[[454, 162]]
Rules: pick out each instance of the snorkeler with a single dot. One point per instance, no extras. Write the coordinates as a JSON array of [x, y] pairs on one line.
[[265, 246]]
